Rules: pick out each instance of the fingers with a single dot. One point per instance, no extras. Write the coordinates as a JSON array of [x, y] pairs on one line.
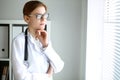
[[43, 37], [50, 71], [41, 32]]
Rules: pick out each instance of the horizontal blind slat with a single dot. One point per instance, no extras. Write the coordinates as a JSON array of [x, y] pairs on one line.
[[112, 39]]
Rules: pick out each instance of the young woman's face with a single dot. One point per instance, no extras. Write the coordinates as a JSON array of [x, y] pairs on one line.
[[35, 22]]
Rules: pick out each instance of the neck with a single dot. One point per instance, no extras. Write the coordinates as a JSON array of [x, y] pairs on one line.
[[31, 31]]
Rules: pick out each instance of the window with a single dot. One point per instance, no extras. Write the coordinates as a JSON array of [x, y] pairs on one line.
[[94, 45], [103, 40], [111, 54]]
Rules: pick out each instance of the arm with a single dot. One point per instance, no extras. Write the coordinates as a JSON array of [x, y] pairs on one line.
[[55, 61], [19, 69]]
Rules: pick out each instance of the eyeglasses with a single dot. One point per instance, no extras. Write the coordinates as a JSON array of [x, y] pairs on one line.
[[40, 16]]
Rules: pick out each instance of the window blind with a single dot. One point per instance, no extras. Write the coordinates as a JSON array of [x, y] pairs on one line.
[[111, 55]]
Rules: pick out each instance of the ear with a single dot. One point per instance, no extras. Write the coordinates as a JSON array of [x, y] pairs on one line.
[[26, 18]]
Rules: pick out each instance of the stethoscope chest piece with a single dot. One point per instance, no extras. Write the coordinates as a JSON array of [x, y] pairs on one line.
[[26, 63]]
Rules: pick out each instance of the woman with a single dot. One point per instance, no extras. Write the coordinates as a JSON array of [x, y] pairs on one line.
[[43, 61]]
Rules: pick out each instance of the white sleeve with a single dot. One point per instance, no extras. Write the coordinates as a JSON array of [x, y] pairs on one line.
[[55, 60], [19, 69]]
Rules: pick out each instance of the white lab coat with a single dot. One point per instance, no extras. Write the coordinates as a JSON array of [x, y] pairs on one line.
[[37, 58]]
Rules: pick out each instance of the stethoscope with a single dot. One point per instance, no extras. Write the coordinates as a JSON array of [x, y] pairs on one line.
[[26, 63]]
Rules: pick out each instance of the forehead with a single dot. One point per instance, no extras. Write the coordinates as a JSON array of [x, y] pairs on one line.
[[39, 10]]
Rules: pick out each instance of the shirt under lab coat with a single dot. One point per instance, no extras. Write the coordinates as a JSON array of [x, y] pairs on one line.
[[38, 59]]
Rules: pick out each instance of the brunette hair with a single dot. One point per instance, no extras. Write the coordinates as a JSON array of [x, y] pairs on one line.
[[31, 5]]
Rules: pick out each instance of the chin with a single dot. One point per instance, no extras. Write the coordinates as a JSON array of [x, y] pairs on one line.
[[41, 28]]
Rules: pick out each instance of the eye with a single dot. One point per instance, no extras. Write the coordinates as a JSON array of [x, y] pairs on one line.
[[38, 16], [46, 15]]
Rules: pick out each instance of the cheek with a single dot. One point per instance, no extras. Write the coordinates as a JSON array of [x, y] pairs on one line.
[[32, 23]]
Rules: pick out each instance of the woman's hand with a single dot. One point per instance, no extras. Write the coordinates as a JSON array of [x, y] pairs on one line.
[[50, 71], [43, 37]]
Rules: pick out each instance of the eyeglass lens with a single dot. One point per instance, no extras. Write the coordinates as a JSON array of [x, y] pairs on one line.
[[40, 16]]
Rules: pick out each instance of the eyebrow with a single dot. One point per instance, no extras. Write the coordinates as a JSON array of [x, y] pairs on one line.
[[40, 13]]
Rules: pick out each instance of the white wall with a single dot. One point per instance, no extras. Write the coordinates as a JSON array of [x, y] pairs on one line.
[[68, 32]]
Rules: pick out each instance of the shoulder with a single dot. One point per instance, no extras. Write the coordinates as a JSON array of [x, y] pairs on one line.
[[20, 37]]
